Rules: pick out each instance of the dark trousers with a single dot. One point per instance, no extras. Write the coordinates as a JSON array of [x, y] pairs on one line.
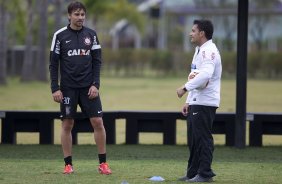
[[200, 140]]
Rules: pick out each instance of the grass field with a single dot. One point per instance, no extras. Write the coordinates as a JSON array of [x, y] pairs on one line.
[[34, 163], [143, 94], [136, 164]]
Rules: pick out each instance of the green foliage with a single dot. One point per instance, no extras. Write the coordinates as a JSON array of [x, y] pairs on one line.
[[123, 9], [228, 60], [265, 65], [116, 10], [127, 62], [17, 24], [273, 66], [132, 62], [97, 7], [143, 62], [175, 36], [162, 62]]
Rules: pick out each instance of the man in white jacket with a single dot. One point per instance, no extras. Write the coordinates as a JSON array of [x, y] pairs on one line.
[[203, 87]]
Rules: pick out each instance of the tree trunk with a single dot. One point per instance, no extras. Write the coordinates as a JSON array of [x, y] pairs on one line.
[[41, 65], [58, 14], [3, 44], [27, 70], [228, 33]]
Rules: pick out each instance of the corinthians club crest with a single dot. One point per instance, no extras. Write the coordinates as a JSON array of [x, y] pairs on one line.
[[87, 41]]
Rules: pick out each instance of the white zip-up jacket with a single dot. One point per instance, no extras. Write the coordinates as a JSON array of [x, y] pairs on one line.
[[207, 63]]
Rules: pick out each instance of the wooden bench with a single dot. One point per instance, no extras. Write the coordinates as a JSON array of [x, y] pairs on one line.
[[264, 124], [165, 122], [43, 122], [28, 121], [136, 122]]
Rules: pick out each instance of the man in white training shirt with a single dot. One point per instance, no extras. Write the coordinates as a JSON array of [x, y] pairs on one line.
[[203, 99]]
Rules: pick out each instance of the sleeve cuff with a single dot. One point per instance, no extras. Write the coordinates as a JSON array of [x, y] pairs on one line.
[[96, 84]]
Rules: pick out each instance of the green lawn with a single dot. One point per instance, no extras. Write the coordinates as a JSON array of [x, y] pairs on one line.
[[156, 94], [142, 94], [136, 163]]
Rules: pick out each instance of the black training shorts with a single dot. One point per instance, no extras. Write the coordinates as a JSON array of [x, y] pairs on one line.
[[79, 96]]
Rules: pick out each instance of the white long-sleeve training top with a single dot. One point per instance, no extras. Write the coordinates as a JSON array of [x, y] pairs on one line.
[[207, 63]]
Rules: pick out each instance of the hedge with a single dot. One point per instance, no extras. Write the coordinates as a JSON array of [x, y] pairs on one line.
[[152, 62]]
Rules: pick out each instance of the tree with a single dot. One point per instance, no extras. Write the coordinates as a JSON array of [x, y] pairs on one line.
[[3, 43], [17, 23], [119, 12], [115, 10], [227, 20], [27, 70], [259, 23], [97, 8], [58, 14], [41, 65], [228, 26], [122, 9]]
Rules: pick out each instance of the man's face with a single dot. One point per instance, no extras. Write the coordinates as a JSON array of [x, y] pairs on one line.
[[196, 35], [77, 18]]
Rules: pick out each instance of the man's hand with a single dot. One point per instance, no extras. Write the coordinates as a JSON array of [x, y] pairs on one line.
[[185, 109], [93, 92], [58, 96], [180, 91]]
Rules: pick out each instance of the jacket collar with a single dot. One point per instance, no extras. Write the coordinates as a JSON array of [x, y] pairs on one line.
[[76, 31]]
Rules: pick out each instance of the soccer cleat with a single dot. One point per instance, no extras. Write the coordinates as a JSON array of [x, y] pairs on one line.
[[104, 168], [68, 169]]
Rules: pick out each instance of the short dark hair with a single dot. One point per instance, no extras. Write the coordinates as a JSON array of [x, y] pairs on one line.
[[206, 26], [76, 5]]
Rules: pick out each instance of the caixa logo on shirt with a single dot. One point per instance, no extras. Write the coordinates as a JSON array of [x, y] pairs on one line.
[[78, 52]]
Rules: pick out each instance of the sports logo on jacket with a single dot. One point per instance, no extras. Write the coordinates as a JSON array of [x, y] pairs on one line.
[[87, 41], [78, 52], [95, 40], [204, 54], [57, 47], [213, 56]]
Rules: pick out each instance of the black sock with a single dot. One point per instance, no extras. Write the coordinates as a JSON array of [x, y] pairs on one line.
[[68, 160], [102, 158]]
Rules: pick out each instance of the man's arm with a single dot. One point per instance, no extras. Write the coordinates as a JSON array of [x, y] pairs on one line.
[[182, 90], [96, 54], [200, 78], [54, 64]]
